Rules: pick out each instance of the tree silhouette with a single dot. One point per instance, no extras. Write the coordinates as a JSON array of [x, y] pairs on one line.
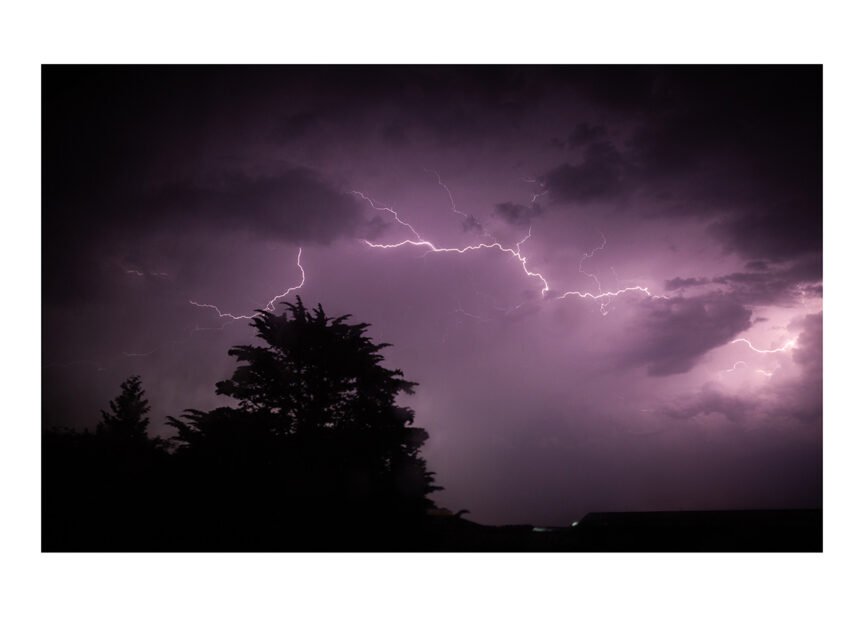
[[128, 417], [102, 490], [317, 434]]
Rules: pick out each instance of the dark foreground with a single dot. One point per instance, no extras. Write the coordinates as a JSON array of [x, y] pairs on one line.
[[706, 531], [316, 455]]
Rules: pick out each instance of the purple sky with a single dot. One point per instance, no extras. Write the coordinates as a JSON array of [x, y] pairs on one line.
[[702, 186]]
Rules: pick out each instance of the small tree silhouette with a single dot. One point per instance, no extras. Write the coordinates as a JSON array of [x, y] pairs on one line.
[[128, 417], [114, 477]]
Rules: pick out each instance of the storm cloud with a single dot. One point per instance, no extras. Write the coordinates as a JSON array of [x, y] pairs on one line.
[[671, 335]]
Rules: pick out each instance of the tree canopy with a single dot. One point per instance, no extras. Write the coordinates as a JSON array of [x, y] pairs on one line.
[[316, 420]]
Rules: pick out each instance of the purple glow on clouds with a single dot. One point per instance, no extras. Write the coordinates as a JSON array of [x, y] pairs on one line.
[[702, 186]]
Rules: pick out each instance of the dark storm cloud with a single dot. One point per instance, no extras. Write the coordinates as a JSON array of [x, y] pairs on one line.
[[683, 283], [803, 399], [757, 264], [296, 205], [293, 206], [799, 399], [708, 401], [453, 107], [766, 117], [740, 148], [751, 143], [779, 285], [808, 347], [395, 135], [585, 133], [472, 224], [296, 126], [621, 88], [600, 175], [669, 336], [764, 284], [775, 233], [517, 214]]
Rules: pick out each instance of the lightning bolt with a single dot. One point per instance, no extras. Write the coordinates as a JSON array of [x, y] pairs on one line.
[[741, 363], [461, 311], [786, 346], [610, 294], [735, 366], [141, 273], [270, 306], [432, 248], [514, 252], [469, 220], [449, 193], [589, 255], [393, 212], [536, 196], [601, 295], [144, 354]]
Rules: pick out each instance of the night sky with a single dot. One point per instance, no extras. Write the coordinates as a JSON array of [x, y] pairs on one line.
[[606, 280]]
